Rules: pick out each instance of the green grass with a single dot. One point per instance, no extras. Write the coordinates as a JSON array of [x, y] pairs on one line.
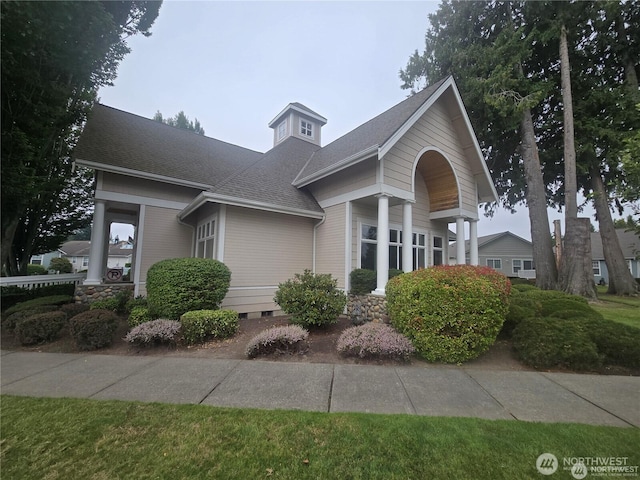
[[619, 309], [86, 439]]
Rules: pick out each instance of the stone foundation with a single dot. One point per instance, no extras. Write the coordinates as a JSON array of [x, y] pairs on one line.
[[367, 308], [91, 293]]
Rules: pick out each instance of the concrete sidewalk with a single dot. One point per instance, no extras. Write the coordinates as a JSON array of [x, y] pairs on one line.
[[416, 390]]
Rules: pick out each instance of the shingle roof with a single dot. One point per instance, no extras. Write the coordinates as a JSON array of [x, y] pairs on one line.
[[80, 248], [269, 179], [629, 243], [375, 132], [485, 239], [120, 139]]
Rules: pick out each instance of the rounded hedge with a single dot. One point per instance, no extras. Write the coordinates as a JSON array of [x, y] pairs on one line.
[[451, 313], [200, 325], [311, 299], [40, 328], [93, 329], [179, 285]]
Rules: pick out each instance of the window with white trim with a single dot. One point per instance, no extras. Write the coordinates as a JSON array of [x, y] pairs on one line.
[[630, 265], [521, 264], [419, 251], [306, 128], [369, 244], [85, 261], [595, 264], [205, 238], [282, 130], [495, 263], [438, 250]]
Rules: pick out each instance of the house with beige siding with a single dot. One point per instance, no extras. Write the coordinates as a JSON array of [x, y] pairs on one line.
[[383, 194]]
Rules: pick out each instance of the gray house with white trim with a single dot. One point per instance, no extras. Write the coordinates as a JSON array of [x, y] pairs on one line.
[[382, 194], [630, 245]]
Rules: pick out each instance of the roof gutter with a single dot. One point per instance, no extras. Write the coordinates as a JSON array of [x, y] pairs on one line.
[[206, 197], [336, 167]]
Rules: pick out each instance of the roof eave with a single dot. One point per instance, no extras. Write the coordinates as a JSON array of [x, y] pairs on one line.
[[362, 155], [140, 174], [206, 197]]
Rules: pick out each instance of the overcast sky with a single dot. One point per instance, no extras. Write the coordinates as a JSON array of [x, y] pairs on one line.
[[235, 65]]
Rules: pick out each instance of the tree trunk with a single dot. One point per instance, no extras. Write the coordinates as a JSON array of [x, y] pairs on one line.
[[621, 281], [6, 248], [570, 175], [576, 272], [545, 264]]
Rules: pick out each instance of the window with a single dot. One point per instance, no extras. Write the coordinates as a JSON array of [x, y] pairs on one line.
[[495, 263], [595, 264], [437, 250], [36, 260], [205, 239], [369, 243], [282, 130], [519, 264], [85, 261], [419, 251], [306, 128]]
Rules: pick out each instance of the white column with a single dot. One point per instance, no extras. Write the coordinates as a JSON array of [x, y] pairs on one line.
[[96, 252], [382, 257], [473, 242], [460, 256], [407, 237]]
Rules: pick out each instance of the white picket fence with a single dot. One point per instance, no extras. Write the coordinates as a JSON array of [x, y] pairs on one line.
[[530, 274], [36, 281]]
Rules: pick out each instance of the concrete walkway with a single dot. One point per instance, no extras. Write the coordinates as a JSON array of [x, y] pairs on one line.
[[415, 390]]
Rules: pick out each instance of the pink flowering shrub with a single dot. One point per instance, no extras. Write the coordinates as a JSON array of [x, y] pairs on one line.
[[154, 332], [287, 339], [375, 340]]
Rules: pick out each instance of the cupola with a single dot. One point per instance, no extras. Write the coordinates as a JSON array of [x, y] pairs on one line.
[[296, 120]]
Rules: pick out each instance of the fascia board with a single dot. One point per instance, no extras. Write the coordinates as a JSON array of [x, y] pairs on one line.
[[205, 197], [140, 174], [384, 149]]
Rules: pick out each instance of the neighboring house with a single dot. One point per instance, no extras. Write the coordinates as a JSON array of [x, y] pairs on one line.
[[505, 252], [77, 252], [630, 244], [415, 168], [44, 259]]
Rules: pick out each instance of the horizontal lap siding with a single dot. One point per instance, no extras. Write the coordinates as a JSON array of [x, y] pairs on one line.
[[254, 300], [163, 237], [265, 248], [353, 178], [330, 243], [433, 129], [125, 184], [506, 249]]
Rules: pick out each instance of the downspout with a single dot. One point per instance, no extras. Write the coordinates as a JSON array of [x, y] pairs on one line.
[[315, 230]]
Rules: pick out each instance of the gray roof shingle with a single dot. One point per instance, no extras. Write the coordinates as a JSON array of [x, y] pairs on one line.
[[120, 139], [629, 243], [374, 132]]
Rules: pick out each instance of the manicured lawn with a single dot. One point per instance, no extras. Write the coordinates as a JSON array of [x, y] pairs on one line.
[[85, 439], [619, 309]]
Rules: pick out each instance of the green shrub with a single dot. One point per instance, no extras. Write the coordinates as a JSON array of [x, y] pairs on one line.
[[138, 301], [180, 285], [450, 313], [40, 328], [199, 325], [363, 281], [520, 307], [311, 299], [619, 343], [60, 265], [37, 302], [11, 295], [73, 309], [93, 329], [139, 315], [9, 323], [553, 342], [568, 303], [110, 304], [36, 269], [123, 297]]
